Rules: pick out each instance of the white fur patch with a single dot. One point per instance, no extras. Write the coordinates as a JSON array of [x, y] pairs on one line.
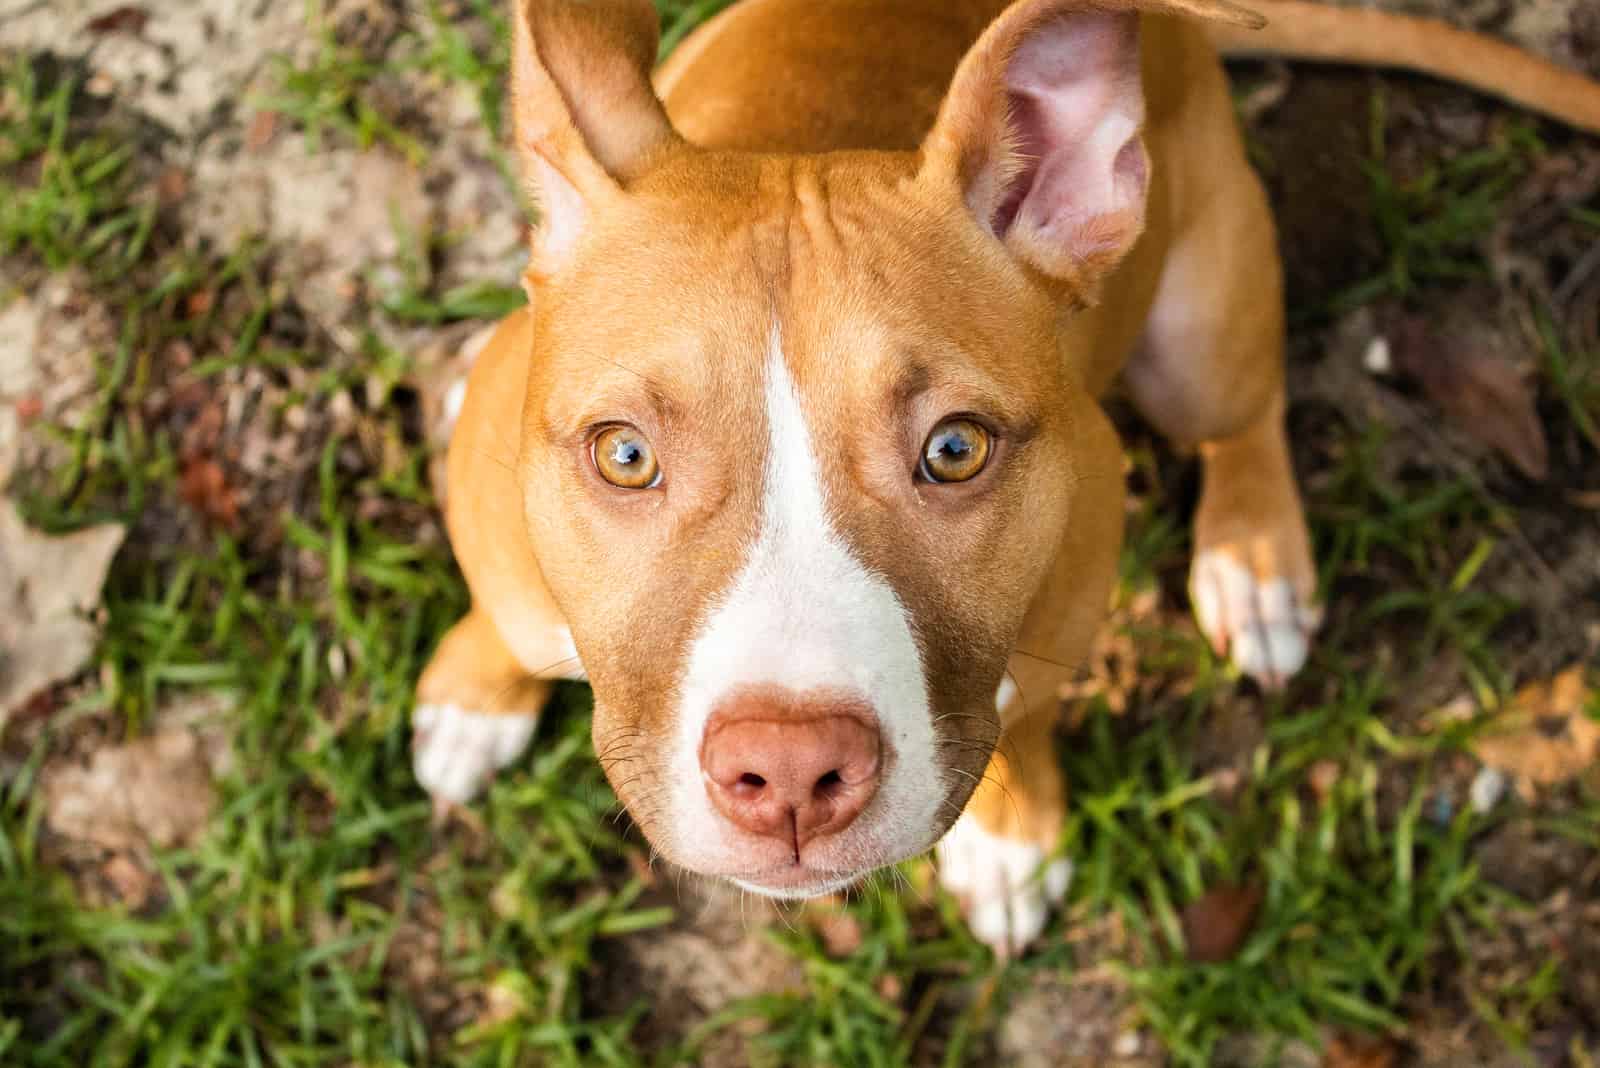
[[454, 398], [456, 752], [1006, 694], [1006, 895], [803, 614], [1264, 628]]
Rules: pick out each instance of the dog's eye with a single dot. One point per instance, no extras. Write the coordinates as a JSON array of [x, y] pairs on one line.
[[955, 452], [625, 459]]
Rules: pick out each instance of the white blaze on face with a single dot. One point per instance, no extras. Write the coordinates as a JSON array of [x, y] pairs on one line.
[[803, 614]]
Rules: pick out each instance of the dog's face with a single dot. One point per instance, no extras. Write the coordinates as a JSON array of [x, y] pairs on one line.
[[798, 443], [779, 446]]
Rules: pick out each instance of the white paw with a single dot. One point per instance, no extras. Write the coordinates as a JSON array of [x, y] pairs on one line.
[[1263, 626], [1005, 895], [454, 752]]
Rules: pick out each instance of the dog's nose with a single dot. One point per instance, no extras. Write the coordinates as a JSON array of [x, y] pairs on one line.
[[794, 770]]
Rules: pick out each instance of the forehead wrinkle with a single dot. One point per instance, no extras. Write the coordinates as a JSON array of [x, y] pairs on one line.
[[619, 393]]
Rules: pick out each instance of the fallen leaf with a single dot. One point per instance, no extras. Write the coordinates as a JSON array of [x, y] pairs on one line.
[[172, 185], [1486, 396], [263, 124], [1217, 923], [1543, 735], [205, 488], [1344, 1051], [129, 18], [48, 588], [198, 303]]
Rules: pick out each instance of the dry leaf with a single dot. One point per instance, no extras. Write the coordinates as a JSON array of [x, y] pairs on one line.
[[263, 125], [153, 791], [205, 488], [1217, 923], [1346, 1052], [1543, 735], [128, 18], [172, 185], [48, 588], [1486, 396]]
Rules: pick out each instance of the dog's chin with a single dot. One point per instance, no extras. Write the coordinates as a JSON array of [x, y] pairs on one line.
[[800, 885]]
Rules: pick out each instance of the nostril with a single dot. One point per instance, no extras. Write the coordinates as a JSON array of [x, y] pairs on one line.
[[789, 771]]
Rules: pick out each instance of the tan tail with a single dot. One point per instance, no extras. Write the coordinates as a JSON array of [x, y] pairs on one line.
[[1302, 30]]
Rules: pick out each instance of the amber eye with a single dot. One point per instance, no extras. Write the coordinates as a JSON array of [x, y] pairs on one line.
[[624, 458], [955, 452]]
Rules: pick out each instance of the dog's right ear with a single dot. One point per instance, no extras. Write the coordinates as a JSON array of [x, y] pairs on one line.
[[584, 116]]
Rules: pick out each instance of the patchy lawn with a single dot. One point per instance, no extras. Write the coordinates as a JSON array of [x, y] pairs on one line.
[[237, 242]]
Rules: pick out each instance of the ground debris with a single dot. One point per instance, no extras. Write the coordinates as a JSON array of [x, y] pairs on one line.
[[49, 587], [1217, 923], [1544, 735], [1345, 1051], [1483, 394], [154, 791]]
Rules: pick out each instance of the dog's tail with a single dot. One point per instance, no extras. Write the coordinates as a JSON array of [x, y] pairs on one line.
[[1298, 29]]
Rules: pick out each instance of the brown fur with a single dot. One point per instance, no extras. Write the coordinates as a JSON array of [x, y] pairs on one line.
[[810, 164]]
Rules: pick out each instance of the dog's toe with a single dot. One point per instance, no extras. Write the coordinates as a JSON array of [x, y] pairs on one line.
[[1262, 623], [455, 752], [1006, 886]]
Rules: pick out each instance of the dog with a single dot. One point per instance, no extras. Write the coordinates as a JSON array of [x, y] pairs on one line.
[[797, 451]]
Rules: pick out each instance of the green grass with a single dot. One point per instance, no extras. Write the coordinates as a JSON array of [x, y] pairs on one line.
[[76, 208], [325, 919], [1432, 225], [1355, 906]]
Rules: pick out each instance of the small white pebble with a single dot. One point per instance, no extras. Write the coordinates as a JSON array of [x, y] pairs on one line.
[[1488, 787], [1377, 359], [1127, 1044]]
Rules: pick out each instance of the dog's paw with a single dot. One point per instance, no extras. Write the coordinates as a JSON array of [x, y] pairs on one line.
[[1261, 621], [455, 753], [1005, 885]]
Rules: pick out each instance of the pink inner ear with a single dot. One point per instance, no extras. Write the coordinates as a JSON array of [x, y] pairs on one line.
[[1076, 107]]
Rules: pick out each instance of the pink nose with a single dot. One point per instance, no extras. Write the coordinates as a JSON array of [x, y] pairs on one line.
[[791, 769]]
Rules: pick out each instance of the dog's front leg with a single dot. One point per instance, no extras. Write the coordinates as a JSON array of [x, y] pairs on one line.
[[1000, 857], [1210, 373], [477, 707]]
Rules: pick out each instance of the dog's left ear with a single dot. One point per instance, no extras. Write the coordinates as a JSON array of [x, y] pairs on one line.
[[585, 118], [1040, 133]]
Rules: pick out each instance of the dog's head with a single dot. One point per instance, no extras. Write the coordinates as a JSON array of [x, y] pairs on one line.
[[799, 437]]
